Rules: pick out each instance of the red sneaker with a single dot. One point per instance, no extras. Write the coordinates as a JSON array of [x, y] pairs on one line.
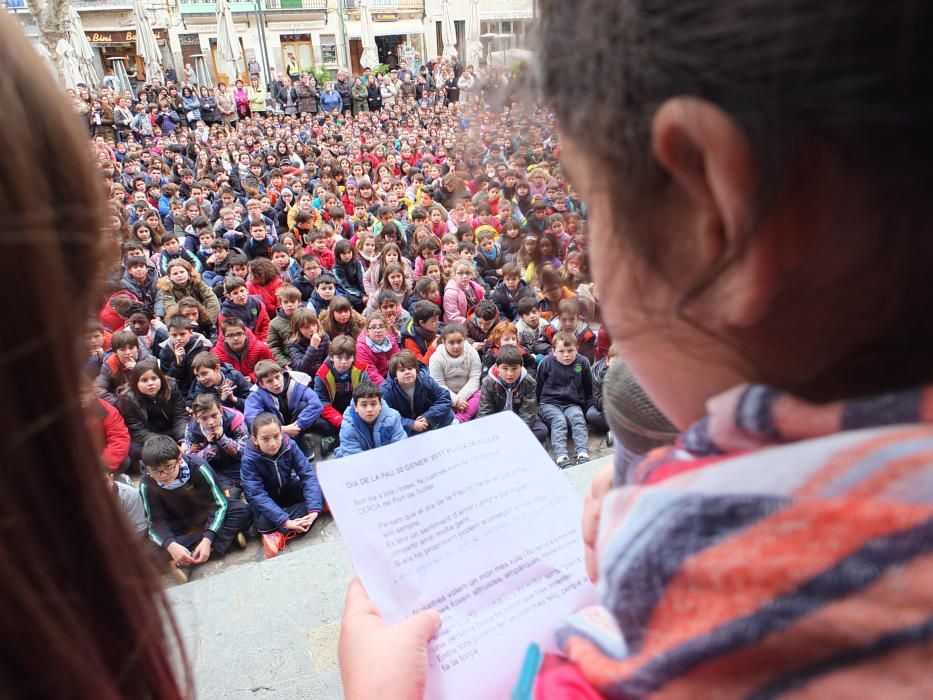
[[273, 543]]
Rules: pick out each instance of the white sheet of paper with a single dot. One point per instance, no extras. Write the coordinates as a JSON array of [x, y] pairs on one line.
[[476, 521]]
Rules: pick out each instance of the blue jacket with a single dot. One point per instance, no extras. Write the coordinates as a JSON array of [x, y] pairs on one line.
[[331, 101], [431, 400], [356, 436], [241, 388], [303, 403], [264, 478]]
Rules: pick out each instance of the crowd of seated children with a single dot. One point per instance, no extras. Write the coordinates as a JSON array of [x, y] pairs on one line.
[[400, 320]]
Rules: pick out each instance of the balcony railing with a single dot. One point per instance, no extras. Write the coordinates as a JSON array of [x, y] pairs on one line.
[[319, 5], [102, 4], [388, 5], [208, 7]]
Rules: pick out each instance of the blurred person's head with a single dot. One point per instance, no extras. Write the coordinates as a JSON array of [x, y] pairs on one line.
[[750, 187], [84, 612]]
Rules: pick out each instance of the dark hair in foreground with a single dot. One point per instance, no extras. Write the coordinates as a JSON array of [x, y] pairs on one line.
[[366, 390], [817, 103], [84, 613]]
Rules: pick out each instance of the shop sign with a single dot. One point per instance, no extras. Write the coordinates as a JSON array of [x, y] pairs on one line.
[[295, 27], [127, 36], [384, 16]]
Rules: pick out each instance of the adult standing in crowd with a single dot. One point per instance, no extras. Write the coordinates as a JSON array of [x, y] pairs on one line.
[[306, 93]]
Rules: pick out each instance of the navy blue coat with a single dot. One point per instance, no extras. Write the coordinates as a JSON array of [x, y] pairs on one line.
[[264, 478], [431, 400]]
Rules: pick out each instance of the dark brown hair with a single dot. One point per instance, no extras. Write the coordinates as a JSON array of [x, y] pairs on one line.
[[818, 103], [84, 614]]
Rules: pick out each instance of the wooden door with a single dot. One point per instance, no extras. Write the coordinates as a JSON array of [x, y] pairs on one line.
[[356, 50]]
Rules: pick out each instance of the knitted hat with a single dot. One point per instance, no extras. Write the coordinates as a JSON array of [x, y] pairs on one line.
[[485, 228]]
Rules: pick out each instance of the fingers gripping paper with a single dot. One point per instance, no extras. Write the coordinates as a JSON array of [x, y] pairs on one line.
[[477, 522]]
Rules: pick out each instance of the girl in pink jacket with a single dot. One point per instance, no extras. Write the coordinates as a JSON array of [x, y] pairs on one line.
[[375, 347], [461, 294]]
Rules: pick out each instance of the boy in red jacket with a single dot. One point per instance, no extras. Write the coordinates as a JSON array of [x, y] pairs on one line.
[[238, 347]]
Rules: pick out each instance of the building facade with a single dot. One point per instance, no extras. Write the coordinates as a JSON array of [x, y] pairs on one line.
[[313, 34]]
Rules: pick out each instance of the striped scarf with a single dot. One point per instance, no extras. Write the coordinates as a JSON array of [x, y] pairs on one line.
[[780, 550]]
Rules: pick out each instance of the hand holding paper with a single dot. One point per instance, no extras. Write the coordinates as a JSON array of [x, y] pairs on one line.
[[476, 522]]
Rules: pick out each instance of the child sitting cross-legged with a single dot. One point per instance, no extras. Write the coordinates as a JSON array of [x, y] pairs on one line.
[[369, 422], [189, 517], [565, 392], [509, 386], [422, 403], [295, 405], [279, 483]]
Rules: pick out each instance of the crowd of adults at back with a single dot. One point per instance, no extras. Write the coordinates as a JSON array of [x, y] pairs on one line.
[[340, 268]]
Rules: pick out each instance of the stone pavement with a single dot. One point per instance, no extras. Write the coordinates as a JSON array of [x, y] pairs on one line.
[[257, 628]]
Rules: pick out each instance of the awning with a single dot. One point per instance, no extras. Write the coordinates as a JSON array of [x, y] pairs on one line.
[[402, 26]]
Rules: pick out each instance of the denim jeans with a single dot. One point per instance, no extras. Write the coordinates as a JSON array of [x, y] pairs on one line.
[[557, 419]]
